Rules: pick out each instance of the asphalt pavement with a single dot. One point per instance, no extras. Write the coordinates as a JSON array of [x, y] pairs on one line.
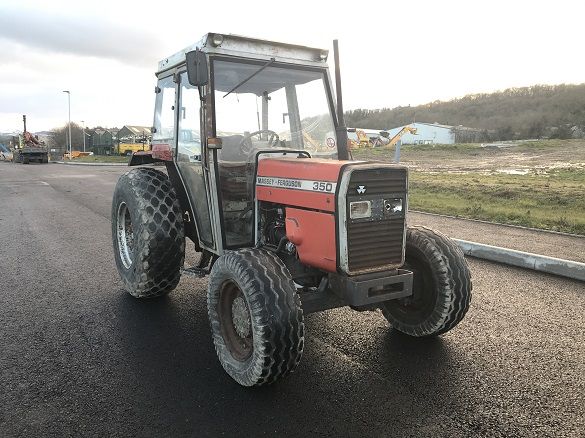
[[80, 357]]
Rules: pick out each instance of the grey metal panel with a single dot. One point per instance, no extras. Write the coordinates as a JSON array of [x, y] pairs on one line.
[[235, 45], [342, 208], [214, 207], [372, 288], [376, 241]]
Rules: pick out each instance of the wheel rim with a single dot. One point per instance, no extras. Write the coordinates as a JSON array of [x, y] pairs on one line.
[[125, 235], [418, 307], [235, 321]]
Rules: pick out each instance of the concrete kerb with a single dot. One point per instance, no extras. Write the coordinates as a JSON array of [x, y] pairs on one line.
[[89, 164], [551, 265]]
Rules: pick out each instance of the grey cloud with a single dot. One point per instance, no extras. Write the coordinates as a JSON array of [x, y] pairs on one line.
[[80, 36]]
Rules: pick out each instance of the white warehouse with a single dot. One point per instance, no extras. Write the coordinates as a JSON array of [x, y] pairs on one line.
[[426, 133]]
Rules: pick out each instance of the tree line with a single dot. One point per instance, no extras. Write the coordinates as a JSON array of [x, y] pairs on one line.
[[59, 137], [539, 111]]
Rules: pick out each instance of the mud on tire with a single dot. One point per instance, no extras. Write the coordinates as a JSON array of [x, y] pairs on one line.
[[441, 289], [256, 317], [147, 233]]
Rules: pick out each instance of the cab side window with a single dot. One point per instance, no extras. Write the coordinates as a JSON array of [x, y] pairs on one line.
[[189, 139], [164, 115]]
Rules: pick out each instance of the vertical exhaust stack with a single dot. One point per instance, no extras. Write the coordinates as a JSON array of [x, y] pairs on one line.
[[341, 128]]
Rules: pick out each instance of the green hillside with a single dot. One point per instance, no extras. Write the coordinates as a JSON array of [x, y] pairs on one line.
[[554, 111]]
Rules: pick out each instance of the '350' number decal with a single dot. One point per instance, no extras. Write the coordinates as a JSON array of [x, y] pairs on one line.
[[321, 186]]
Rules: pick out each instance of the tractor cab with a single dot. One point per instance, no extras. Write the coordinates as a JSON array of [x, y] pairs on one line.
[[227, 102]]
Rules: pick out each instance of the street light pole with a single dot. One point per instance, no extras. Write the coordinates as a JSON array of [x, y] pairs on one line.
[[83, 121], [69, 105]]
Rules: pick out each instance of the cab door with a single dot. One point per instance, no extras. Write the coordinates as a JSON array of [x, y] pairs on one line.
[[178, 126], [189, 158]]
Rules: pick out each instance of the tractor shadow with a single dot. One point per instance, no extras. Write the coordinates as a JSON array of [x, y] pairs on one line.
[[416, 377], [356, 377]]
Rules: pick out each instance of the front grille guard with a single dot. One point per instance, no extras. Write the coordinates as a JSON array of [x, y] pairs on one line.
[[343, 217]]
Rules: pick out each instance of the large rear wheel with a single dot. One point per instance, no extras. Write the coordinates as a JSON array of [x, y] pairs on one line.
[[256, 317], [147, 233], [441, 286]]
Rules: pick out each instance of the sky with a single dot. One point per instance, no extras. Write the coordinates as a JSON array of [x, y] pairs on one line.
[[392, 53]]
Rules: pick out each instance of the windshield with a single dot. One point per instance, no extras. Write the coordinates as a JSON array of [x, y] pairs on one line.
[[271, 107]]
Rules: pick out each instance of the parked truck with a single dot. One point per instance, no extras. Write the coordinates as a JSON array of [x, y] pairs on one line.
[[30, 148]]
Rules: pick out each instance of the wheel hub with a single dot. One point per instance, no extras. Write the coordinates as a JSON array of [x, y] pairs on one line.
[[125, 235], [241, 317]]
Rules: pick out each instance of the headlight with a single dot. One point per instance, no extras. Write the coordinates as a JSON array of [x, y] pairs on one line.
[[392, 206], [360, 209], [217, 40]]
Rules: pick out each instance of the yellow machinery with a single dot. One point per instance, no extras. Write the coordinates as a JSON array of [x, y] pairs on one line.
[[129, 148], [383, 139], [403, 131], [363, 141], [76, 154]]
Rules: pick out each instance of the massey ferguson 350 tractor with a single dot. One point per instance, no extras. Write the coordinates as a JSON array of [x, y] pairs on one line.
[[259, 178]]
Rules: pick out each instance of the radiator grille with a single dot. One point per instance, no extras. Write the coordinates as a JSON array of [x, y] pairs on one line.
[[377, 182], [376, 242]]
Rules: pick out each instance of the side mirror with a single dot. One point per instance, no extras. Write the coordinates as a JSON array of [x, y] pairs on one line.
[[197, 68]]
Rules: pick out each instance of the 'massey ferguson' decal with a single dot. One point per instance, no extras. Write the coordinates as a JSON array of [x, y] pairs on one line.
[[296, 184]]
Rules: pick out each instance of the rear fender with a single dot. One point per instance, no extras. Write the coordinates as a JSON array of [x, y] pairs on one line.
[[159, 153], [188, 218]]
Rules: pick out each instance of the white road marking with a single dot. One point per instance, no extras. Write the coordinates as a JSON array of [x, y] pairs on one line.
[[23, 183], [74, 175]]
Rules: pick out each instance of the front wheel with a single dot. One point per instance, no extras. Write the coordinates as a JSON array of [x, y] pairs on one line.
[[441, 286], [256, 317]]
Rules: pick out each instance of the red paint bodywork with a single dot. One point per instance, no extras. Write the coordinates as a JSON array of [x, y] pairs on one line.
[[162, 152], [313, 169], [312, 232], [301, 168], [297, 198]]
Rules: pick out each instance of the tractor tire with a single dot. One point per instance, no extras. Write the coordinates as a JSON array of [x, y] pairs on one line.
[[256, 317], [441, 286], [147, 233]]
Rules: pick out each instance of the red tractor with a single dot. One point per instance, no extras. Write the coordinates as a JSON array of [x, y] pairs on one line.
[[285, 226]]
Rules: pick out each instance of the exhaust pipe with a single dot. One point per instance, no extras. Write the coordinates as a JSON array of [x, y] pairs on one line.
[[341, 130]]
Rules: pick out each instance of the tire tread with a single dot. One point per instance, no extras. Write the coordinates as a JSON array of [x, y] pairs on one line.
[[158, 232], [275, 309], [453, 283]]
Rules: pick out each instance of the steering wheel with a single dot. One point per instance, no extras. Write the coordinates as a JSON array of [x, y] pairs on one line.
[[246, 144]]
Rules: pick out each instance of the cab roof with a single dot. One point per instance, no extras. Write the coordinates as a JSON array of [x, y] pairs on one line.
[[246, 47]]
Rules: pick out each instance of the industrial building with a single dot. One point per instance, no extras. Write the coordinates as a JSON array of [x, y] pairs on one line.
[[426, 133]]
